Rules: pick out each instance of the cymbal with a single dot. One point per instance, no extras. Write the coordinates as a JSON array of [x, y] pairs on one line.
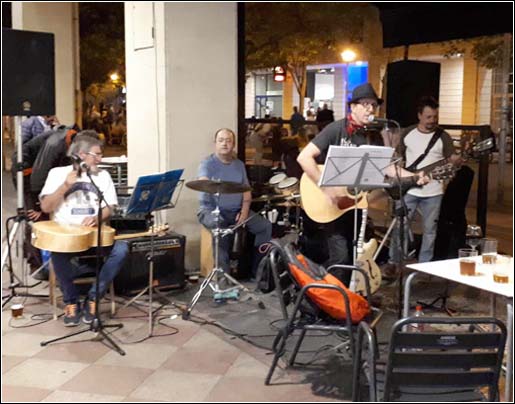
[[215, 187], [266, 198]]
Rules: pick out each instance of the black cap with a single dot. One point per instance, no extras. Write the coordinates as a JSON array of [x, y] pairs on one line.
[[364, 91]]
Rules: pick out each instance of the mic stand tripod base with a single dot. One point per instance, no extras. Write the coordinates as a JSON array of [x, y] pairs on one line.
[[96, 328]]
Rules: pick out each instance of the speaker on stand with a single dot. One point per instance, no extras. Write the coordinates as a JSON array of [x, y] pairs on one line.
[[407, 82]]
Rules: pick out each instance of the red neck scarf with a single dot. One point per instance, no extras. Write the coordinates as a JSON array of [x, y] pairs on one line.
[[352, 125]]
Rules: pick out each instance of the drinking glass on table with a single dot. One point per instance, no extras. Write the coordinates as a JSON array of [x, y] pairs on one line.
[[473, 235], [488, 250], [467, 261], [502, 269]]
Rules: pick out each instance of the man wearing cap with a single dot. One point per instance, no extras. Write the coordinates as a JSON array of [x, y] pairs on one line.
[[347, 131]]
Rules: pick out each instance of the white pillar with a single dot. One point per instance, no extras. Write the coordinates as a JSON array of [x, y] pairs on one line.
[[181, 69]]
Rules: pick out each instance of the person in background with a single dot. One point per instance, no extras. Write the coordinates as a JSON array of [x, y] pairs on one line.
[[36, 125], [296, 121]]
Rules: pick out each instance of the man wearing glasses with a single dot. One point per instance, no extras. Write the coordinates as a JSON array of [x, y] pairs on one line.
[[349, 131], [70, 197]]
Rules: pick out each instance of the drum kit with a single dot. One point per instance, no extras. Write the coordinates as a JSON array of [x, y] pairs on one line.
[[286, 194], [282, 204]]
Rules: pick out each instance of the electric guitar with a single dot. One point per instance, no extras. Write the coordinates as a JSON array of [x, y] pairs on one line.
[[55, 237], [439, 170], [365, 261], [319, 208]]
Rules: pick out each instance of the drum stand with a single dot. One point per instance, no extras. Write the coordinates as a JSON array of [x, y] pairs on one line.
[[218, 233]]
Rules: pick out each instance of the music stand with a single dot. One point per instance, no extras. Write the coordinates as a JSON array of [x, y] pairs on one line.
[[153, 193], [360, 168]]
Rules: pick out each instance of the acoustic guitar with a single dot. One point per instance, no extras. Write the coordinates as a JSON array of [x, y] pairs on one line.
[[55, 237], [319, 208], [365, 260]]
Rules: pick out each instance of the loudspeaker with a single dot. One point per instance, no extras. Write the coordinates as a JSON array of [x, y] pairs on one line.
[[452, 222], [168, 264], [407, 82], [28, 73]]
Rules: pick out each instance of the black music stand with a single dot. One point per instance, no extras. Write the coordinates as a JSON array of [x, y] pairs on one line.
[[153, 193], [359, 168]]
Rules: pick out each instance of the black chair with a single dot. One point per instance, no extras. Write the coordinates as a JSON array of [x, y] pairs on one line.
[[305, 315], [450, 359]]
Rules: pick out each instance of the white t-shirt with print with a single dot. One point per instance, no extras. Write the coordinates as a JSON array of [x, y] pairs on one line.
[[81, 200], [416, 142]]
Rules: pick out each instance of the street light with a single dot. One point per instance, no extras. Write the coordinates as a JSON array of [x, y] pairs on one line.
[[348, 55], [114, 77]]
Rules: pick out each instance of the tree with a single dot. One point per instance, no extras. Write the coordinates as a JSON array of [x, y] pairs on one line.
[[102, 42], [486, 50], [294, 35]]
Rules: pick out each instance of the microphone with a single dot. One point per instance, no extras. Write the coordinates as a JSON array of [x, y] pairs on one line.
[[83, 166], [372, 119]]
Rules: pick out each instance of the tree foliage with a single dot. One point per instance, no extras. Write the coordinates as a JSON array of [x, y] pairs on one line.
[[486, 50], [102, 42], [294, 35]]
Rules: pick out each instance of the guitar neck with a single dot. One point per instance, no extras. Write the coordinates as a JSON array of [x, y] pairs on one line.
[[361, 237]]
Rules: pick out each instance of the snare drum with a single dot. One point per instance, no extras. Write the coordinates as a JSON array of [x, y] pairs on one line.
[[288, 186]]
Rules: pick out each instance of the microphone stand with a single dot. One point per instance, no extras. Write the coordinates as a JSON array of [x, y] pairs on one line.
[[96, 325]]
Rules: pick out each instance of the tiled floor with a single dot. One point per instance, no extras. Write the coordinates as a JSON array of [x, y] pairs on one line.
[[198, 363]]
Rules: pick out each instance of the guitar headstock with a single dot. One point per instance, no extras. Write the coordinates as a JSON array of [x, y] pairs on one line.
[[477, 149]]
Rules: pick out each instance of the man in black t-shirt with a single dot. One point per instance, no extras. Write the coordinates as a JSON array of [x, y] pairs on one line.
[[348, 131]]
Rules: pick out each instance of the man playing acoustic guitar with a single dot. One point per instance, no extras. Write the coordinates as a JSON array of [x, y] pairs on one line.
[[71, 199], [347, 131]]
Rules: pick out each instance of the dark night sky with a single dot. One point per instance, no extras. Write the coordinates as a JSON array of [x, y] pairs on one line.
[[412, 23]]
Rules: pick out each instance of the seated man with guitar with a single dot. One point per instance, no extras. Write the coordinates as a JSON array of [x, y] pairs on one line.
[[72, 200], [424, 147], [350, 131]]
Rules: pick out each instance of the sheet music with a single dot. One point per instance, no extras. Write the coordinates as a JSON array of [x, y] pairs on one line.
[[343, 165]]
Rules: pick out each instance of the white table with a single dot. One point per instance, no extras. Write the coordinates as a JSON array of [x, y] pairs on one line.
[[450, 270]]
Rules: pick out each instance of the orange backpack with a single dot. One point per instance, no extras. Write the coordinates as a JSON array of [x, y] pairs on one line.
[[330, 301]]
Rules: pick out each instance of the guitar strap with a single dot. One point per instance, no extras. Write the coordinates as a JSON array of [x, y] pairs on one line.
[[436, 136]]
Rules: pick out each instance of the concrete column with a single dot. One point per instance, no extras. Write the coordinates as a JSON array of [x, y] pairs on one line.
[[55, 18], [340, 93], [181, 64]]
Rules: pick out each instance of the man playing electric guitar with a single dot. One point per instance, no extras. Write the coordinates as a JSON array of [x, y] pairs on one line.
[[347, 131], [422, 145]]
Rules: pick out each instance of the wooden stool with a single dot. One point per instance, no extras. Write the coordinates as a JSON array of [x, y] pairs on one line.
[[206, 251], [79, 281]]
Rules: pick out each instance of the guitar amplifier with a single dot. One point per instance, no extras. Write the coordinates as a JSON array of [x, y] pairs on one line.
[[169, 252]]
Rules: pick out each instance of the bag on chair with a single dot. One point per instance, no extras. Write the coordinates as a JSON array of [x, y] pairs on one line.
[[329, 301]]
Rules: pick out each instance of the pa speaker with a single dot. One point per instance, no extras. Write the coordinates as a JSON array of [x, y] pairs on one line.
[[407, 82], [168, 261], [28, 73]]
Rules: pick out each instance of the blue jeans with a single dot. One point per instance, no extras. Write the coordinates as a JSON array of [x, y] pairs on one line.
[[67, 269], [430, 210], [258, 225]]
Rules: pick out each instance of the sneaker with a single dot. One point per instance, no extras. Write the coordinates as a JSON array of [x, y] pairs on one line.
[[71, 315], [89, 311]]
